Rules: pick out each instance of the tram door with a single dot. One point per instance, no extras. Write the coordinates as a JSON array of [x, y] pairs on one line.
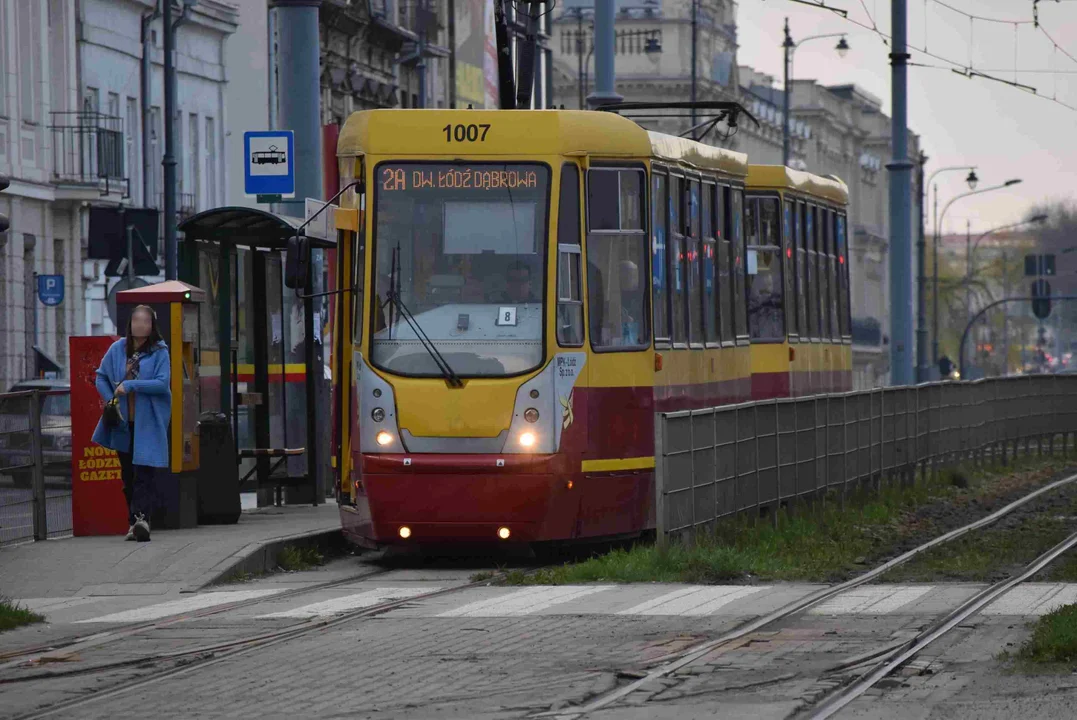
[[620, 366]]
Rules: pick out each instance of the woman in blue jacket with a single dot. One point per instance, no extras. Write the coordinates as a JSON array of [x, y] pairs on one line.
[[136, 370]]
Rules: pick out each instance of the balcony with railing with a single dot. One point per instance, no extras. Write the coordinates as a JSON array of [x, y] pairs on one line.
[[186, 205], [87, 153]]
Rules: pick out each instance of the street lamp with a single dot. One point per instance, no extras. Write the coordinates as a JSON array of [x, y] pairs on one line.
[[972, 181], [790, 47], [921, 305]]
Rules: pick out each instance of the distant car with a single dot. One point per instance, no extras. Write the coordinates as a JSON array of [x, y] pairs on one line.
[[55, 431]]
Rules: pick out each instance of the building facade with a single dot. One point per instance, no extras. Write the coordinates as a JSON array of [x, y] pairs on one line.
[[73, 118]]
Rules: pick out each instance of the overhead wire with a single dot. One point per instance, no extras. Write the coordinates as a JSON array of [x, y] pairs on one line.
[[968, 69]]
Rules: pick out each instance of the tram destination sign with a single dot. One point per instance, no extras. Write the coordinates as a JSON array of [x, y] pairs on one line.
[[396, 178]]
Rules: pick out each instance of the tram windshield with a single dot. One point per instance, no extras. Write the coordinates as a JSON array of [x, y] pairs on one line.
[[460, 257]]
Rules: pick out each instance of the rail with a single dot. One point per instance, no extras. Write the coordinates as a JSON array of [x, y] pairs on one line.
[[761, 456], [35, 465]]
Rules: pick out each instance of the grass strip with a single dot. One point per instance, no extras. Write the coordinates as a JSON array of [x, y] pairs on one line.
[[822, 542], [1053, 640], [294, 559], [12, 615]]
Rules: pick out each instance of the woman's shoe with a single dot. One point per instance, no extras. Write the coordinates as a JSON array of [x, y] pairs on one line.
[[130, 533], [142, 529]]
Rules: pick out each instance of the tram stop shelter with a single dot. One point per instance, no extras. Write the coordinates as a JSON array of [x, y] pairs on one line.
[[261, 359]]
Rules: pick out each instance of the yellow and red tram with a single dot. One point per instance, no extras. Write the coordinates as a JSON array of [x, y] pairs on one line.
[[529, 287]]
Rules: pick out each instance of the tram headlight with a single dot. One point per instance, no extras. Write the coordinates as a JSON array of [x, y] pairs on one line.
[[405, 532], [384, 438], [527, 439], [504, 533], [377, 414], [531, 415]]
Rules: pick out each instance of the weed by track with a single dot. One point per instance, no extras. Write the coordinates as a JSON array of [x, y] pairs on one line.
[[13, 615]]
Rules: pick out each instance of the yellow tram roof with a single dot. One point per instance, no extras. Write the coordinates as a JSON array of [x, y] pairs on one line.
[[779, 177], [411, 132]]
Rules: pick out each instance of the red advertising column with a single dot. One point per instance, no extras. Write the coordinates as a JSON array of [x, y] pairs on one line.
[[97, 503]]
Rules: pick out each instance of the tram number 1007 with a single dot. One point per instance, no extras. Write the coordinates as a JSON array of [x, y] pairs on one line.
[[465, 133]]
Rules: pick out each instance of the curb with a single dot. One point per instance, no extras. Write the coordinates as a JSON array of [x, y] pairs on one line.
[[261, 557]]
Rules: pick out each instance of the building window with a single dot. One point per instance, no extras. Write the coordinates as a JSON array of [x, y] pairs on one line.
[[131, 137], [617, 259], [3, 75], [211, 164], [569, 296], [156, 140], [28, 32], [194, 162]]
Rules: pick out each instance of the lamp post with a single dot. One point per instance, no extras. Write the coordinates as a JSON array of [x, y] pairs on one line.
[[790, 47], [972, 180]]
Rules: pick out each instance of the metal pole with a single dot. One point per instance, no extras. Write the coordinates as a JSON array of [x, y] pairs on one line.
[[452, 53], [35, 300], [1005, 314], [271, 40], [968, 268], [299, 90], [921, 294], [169, 161], [579, 55], [787, 46], [603, 46], [901, 330], [935, 285], [37, 474], [695, 61], [421, 65]]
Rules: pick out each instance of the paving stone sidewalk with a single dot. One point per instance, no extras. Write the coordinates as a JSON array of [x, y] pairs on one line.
[[174, 561]]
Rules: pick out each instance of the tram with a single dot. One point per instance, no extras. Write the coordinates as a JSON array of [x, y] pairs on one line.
[[527, 288]]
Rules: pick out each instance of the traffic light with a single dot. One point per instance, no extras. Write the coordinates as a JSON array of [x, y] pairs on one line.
[[4, 222], [1041, 299]]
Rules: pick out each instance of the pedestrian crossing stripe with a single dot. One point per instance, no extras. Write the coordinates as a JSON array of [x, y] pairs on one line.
[[1033, 600], [530, 601], [347, 603], [186, 604], [692, 601], [872, 600]]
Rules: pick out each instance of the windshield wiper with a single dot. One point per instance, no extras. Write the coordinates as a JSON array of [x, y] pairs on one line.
[[393, 296]]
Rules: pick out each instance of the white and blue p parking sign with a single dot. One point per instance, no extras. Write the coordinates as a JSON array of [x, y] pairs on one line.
[[50, 289], [269, 168]]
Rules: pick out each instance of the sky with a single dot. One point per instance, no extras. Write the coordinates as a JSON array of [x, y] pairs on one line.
[[1004, 131]]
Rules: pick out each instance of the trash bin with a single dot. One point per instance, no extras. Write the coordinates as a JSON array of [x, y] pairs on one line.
[[218, 471]]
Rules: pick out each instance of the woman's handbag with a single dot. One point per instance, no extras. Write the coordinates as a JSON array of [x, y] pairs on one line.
[[110, 416]]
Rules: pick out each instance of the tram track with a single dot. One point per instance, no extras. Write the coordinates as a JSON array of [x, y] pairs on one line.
[[676, 661], [45, 652], [201, 657]]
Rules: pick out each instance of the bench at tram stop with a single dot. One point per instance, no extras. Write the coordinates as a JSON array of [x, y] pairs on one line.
[[275, 479]]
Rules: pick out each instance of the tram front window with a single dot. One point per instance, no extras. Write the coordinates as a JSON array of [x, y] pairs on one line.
[[461, 249]]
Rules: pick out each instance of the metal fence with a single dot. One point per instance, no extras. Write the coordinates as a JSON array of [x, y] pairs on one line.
[[760, 456], [35, 465]]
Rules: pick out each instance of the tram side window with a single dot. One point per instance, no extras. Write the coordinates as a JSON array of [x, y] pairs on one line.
[[811, 284], [710, 304], [725, 284], [801, 258], [765, 307], [695, 292], [788, 273], [617, 259], [843, 275], [569, 297], [824, 273], [677, 263], [834, 301], [659, 235], [740, 305]]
